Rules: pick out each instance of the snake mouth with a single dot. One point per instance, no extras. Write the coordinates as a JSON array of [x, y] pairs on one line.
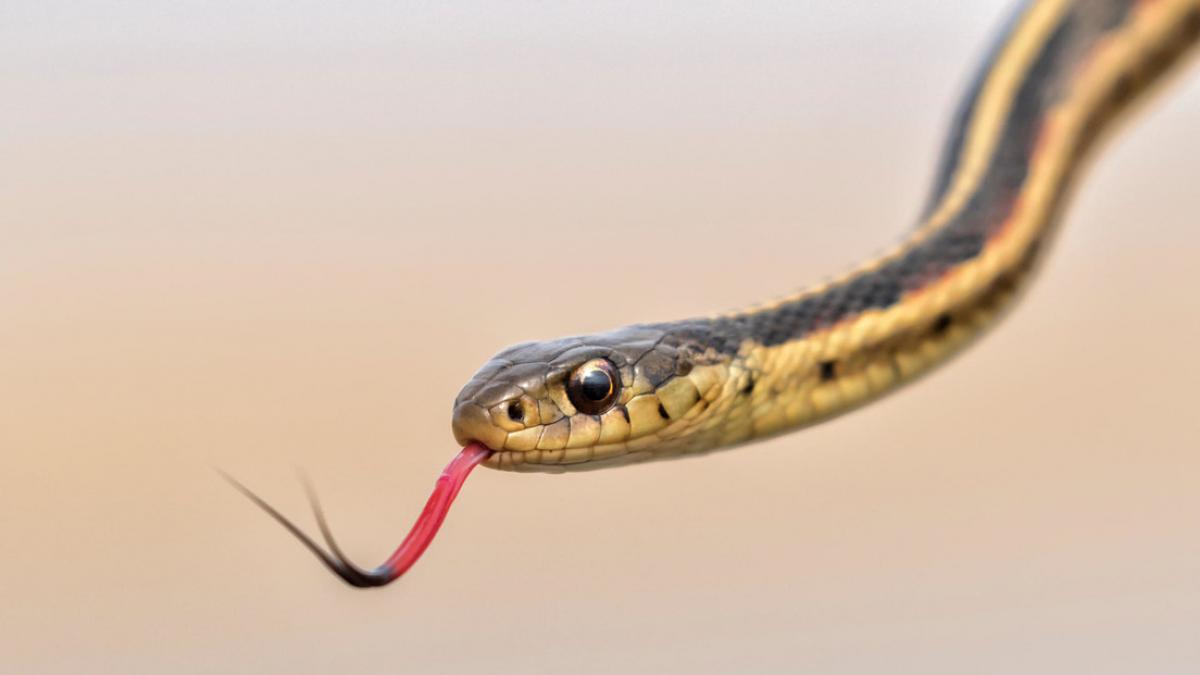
[[559, 461]]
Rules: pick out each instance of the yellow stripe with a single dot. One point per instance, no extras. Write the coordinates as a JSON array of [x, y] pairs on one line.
[[992, 109], [804, 400], [985, 127]]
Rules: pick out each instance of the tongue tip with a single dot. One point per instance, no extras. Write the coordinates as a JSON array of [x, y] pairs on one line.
[[418, 539]]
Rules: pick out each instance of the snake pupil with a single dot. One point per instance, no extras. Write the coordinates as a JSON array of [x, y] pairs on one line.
[[515, 412], [593, 386], [596, 385]]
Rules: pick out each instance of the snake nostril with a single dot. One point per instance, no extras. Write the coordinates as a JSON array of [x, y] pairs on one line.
[[516, 412], [472, 423]]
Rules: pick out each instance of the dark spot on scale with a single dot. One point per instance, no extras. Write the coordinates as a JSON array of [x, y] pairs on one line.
[[749, 386], [828, 370], [516, 412], [1191, 23], [625, 414], [1123, 88], [941, 324], [1034, 246], [683, 367], [662, 412]]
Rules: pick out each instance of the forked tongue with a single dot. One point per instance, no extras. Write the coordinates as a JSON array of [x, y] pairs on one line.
[[410, 550]]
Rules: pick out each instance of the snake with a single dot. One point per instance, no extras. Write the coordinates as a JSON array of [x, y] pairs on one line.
[[1052, 84]]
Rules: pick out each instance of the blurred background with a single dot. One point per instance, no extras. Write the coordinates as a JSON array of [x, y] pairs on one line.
[[261, 235]]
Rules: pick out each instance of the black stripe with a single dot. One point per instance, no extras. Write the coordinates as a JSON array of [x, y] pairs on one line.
[[965, 235], [961, 122]]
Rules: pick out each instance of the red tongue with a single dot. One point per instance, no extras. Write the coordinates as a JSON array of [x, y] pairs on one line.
[[410, 550], [430, 520]]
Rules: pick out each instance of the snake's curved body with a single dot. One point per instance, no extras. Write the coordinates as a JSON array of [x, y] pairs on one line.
[[1061, 71], [1059, 74]]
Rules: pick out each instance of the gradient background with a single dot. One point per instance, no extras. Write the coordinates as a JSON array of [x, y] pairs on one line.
[[267, 234]]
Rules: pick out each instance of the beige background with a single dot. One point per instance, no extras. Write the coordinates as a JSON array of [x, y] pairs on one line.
[[260, 235]]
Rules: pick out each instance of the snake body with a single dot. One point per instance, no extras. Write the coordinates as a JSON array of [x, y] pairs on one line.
[[1060, 72]]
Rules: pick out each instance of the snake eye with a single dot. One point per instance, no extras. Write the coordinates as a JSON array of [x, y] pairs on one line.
[[592, 387]]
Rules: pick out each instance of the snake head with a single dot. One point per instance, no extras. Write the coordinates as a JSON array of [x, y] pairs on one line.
[[584, 402]]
